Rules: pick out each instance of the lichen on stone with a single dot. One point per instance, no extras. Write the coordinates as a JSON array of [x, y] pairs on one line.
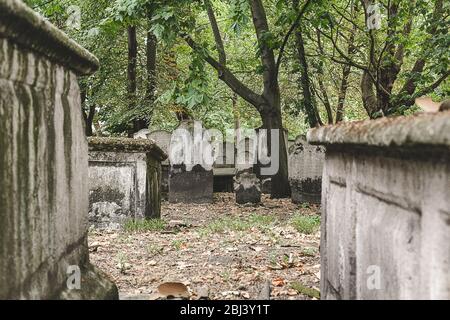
[[23, 26], [431, 129], [113, 144]]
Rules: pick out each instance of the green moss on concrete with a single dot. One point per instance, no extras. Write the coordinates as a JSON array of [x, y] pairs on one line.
[[108, 144], [18, 22]]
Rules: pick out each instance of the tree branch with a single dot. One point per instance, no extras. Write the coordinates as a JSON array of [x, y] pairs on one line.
[[426, 90], [267, 56], [227, 76], [217, 37], [289, 33]]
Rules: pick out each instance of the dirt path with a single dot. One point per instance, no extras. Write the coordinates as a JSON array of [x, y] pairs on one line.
[[228, 250]]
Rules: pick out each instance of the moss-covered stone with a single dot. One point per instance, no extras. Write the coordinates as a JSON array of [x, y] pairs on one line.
[[22, 25], [426, 129], [108, 144]]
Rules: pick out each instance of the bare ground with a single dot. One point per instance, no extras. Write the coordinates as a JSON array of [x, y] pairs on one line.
[[231, 251]]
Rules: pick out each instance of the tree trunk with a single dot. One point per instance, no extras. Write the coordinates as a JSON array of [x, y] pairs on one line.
[[131, 76], [368, 96], [152, 46], [305, 83], [267, 104], [326, 99], [344, 80], [280, 181], [89, 117]]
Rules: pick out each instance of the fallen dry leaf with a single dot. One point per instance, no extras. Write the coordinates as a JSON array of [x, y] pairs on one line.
[[173, 290], [278, 282]]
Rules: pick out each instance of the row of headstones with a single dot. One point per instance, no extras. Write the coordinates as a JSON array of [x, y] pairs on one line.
[[197, 185]]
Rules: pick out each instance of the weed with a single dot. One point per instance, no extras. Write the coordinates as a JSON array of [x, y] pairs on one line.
[[306, 224], [144, 225], [310, 292]]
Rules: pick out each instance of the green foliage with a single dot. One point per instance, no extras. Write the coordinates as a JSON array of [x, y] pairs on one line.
[[310, 292], [306, 224], [144, 225], [184, 80]]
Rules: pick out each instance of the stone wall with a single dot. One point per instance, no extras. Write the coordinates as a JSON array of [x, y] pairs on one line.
[[386, 208], [124, 180], [43, 161], [305, 171]]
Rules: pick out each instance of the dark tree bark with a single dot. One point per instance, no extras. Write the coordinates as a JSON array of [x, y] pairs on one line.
[[305, 82], [88, 115], [325, 99], [384, 73], [344, 79], [131, 76], [270, 110], [151, 52], [368, 95], [268, 103]]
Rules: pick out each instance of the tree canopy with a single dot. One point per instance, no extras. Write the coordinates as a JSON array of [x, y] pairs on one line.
[[212, 61]]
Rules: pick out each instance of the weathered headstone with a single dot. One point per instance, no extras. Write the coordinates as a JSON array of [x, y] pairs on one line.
[[247, 188], [124, 180], [190, 177], [224, 168], [162, 139], [43, 163], [305, 171], [246, 154], [266, 185]]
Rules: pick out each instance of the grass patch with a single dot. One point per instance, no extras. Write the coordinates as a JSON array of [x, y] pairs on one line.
[[306, 224], [144, 225], [154, 250], [177, 244], [310, 292], [238, 224], [310, 252]]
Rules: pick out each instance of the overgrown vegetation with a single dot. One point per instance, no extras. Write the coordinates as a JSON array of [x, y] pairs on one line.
[[322, 61], [310, 292], [144, 225], [306, 224]]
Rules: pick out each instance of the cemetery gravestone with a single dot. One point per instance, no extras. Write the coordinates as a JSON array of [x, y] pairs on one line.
[[247, 186], [305, 171], [190, 178], [224, 168]]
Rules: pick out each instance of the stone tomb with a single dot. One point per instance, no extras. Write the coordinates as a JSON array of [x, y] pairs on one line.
[[124, 180], [305, 171], [43, 163], [386, 208]]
